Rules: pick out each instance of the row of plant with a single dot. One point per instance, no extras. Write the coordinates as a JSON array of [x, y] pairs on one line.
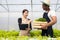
[[34, 35]]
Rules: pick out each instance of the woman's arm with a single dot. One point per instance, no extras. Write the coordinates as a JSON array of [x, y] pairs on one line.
[[31, 26], [29, 23], [19, 20]]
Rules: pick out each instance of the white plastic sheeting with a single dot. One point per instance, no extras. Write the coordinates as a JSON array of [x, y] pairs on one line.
[[9, 21], [11, 10]]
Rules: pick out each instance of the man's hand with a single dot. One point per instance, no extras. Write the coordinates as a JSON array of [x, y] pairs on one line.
[[44, 26]]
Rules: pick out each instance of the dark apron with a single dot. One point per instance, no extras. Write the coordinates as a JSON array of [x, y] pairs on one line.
[[48, 31], [23, 26]]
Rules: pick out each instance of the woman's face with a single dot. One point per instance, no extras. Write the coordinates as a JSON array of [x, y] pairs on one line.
[[25, 14]]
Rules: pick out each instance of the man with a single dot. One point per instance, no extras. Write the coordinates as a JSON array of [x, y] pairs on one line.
[[50, 17]]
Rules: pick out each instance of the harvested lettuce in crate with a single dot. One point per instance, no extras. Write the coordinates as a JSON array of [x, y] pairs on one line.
[[41, 19], [37, 22]]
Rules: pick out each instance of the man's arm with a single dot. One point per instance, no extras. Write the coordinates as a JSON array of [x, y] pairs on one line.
[[53, 21]]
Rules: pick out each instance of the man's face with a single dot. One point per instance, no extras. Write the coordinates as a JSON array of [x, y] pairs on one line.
[[44, 7]]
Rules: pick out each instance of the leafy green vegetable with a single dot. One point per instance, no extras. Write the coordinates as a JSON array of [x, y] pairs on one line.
[[8, 33], [56, 33], [11, 38], [22, 38], [41, 19], [35, 33], [58, 38]]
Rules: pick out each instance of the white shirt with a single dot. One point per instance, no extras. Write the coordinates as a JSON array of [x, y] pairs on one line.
[[51, 13]]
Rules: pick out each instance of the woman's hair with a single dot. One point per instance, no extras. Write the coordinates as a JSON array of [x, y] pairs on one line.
[[25, 10]]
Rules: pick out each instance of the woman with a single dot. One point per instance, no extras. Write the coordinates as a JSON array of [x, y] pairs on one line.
[[24, 23]]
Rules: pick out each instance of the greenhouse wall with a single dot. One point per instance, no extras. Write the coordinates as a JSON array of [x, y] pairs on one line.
[[11, 10], [9, 20]]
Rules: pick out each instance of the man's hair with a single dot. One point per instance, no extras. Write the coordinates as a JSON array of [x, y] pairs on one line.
[[25, 10]]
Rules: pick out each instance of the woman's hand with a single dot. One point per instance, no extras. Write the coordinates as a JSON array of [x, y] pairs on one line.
[[29, 21], [28, 29]]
